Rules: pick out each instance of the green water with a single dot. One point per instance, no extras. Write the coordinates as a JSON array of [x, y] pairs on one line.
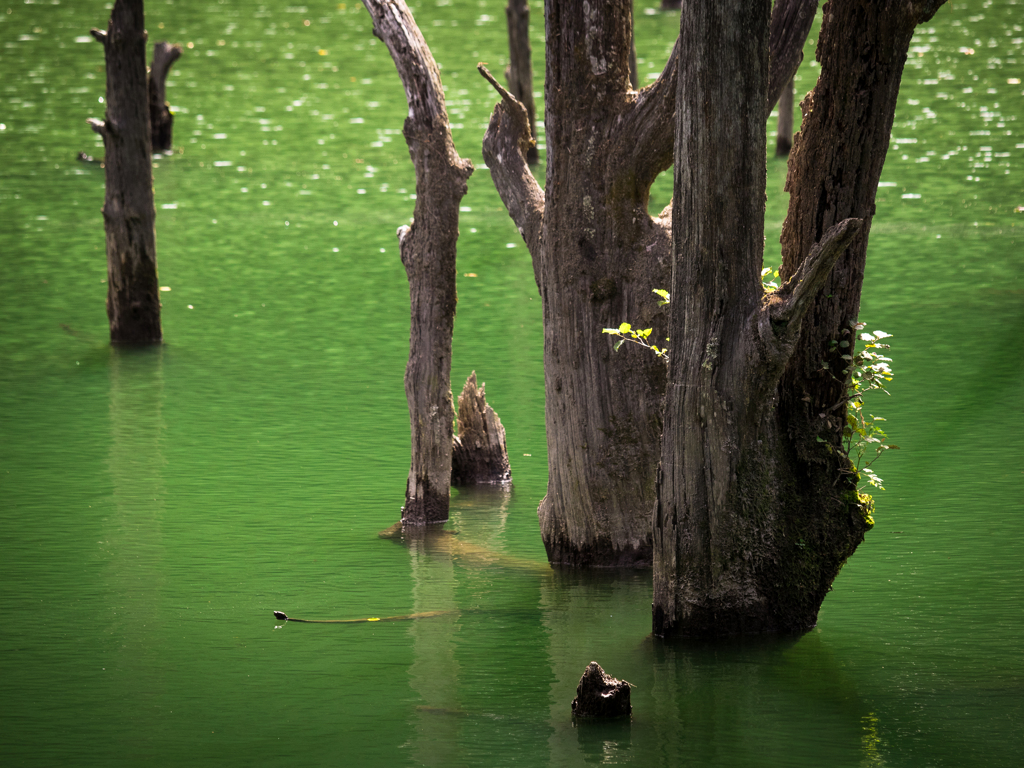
[[157, 505]]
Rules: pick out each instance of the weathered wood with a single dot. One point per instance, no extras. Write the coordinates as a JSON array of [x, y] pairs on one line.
[[601, 696], [160, 117], [758, 507], [428, 253], [129, 214], [834, 169], [597, 253], [520, 65], [479, 456]]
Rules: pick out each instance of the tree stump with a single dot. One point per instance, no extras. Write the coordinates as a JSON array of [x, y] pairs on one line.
[[129, 213], [599, 695], [160, 117], [479, 456]]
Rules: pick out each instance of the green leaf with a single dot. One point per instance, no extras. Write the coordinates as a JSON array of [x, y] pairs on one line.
[[618, 344], [625, 328]]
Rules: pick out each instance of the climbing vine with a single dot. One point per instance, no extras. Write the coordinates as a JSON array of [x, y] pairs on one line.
[[867, 370]]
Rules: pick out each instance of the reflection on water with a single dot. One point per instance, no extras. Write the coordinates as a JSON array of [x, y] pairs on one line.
[[156, 506], [135, 570]]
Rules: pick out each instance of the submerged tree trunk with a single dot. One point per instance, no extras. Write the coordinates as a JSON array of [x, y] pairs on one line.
[[784, 134], [428, 253], [129, 214], [520, 65], [758, 505], [597, 255], [160, 117], [479, 456]]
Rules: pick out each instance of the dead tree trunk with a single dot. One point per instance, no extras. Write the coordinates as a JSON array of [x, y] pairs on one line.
[[160, 117], [428, 253], [129, 214], [784, 134], [597, 254], [520, 65], [479, 456], [758, 506]]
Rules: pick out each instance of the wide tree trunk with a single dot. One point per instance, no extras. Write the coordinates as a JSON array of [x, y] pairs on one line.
[[129, 214], [428, 253], [520, 65], [160, 117], [597, 255], [758, 505]]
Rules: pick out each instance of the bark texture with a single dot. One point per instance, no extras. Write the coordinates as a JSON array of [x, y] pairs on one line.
[[129, 214], [479, 456], [520, 65], [428, 253], [758, 506], [597, 254], [160, 118]]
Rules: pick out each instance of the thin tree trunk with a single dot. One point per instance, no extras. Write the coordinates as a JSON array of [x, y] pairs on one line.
[[160, 117], [634, 72], [784, 134], [129, 214], [791, 23], [520, 65], [758, 505], [428, 253]]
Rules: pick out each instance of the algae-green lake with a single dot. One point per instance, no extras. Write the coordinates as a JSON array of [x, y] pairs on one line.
[[157, 505]]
